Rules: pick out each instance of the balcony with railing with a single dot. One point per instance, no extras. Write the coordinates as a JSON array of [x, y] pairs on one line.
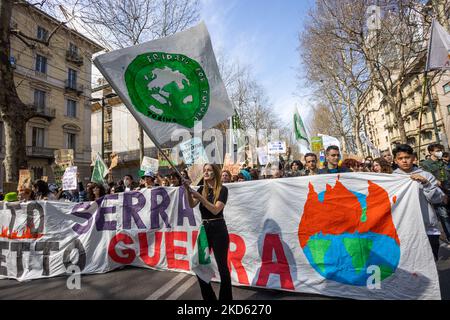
[[72, 87], [44, 112], [389, 123], [108, 146], [74, 58], [40, 152]]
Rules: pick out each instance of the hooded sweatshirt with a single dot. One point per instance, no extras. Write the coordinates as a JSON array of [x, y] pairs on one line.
[[430, 194]]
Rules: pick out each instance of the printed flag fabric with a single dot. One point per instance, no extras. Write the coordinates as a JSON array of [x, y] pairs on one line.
[[439, 48], [353, 235], [300, 133], [169, 83], [100, 170], [201, 260]]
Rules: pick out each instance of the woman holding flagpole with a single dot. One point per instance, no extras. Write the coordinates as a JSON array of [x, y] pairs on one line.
[[212, 197]]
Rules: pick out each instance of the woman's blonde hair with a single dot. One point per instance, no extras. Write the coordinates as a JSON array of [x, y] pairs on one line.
[[217, 182]]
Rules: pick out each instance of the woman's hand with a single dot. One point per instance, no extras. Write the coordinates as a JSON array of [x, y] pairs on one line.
[[196, 195], [187, 184]]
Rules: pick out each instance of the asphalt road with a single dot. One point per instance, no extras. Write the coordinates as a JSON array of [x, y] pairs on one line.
[[144, 284]]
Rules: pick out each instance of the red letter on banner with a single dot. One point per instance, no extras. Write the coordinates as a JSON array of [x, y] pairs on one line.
[[129, 253], [235, 258], [172, 250], [143, 245], [273, 243]]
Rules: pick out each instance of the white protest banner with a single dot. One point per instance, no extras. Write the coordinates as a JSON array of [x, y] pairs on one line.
[[69, 179], [276, 147], [169, 83], [150, 164], [353, 235]]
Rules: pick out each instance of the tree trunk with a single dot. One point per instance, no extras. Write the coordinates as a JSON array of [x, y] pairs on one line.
[[13, 112], [15, 134], [356, 129]]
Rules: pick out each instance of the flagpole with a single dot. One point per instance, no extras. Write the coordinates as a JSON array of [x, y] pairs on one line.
[[428, 83], [424, 85]]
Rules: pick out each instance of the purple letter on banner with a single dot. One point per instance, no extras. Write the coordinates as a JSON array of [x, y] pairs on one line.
[[184, 210], [130, 210], [100, 222], [78, 228], [159, 209]]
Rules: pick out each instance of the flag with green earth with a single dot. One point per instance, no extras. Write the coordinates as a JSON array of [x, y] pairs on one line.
[[100, 170], [201, 259], [169, 83]]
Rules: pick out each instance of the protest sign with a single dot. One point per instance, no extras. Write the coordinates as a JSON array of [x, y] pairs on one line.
[[338, 235], [114, 160], [24, 178], [276, 147], [64, 157], [150, 164], [316, 144], [69, 179], [163, 161], [193, 152]]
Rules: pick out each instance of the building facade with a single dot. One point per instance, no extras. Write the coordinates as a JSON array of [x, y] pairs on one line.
[[381, 125], [121, 134], [56, 81]]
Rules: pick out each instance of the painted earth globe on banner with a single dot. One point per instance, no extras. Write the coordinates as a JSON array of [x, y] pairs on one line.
[[168, 87], [346, 234]]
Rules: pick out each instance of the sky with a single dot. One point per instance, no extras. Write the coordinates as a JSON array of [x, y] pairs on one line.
[[263, 35]]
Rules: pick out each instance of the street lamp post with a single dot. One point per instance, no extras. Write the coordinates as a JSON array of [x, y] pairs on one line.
[[108, 96]]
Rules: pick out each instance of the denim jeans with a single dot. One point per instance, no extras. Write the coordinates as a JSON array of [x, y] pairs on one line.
[[442, 213], [219, 241]]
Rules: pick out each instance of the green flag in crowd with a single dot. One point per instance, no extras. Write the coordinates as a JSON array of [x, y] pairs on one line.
[[300, 133], [100, 170]]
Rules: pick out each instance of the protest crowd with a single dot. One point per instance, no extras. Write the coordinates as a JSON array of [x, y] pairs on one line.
[[433, 173]]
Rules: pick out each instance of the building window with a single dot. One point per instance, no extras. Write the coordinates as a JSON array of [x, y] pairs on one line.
[[38, 137], [386, 139], [411, 141], [42, 33], [70, 140], [39, 99], [41, 64], [71, 108], [37, 173], [72, 77], [428, 135], [73, 49], [448, 108], [447, 88]]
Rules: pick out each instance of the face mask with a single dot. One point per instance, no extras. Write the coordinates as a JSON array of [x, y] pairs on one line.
[[439, 154]]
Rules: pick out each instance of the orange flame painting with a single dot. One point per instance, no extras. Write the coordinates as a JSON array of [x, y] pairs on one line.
[[26, 234]]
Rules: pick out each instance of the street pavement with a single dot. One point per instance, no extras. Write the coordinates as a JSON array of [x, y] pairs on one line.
[[132, 283]]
